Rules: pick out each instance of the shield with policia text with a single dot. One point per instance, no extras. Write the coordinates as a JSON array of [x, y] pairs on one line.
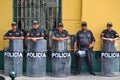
[[13, 57], [36, 58], [61, 59], [109, 59]]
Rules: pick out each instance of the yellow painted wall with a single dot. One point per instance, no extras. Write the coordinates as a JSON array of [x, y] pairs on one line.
[[97, 13], [5, 18], [71, 15]]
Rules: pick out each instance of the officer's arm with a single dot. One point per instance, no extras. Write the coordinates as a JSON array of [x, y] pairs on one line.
[[60, 39], [75, 46], [6, 36], [39, 38], [53, 37], [103, 37], [21, 38], [92, 41], [75, 43], [108, 39], [28, 36], [67, 36], [92, 44], [117, 38]]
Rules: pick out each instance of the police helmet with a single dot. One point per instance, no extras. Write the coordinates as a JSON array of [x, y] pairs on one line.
[[35, 22], [84, 23], [81, 53], [60, 25], [109, 24], [13, 24]]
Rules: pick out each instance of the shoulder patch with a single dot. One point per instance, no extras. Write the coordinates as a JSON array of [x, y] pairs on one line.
[[10, 33]]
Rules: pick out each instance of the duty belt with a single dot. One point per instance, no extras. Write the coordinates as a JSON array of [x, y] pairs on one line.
[[84, 46]]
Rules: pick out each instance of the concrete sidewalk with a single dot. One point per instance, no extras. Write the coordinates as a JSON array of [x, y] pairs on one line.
[[83, 76]]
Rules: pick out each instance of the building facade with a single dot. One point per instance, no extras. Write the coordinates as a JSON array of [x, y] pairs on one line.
[[50, 12]]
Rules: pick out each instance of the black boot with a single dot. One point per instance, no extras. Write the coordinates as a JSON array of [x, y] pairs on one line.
[[93, 73], [77, 73]]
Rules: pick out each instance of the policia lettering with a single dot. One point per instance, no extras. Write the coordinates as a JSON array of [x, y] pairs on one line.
[[36, 55], [84, 41], [110, 55], [61, 55], [13, 54]]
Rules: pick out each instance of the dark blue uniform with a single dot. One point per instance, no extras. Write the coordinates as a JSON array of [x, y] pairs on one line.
[[109, 34], [12, 33], [84, 39], [58, 34], [35, 33], [109, 46]]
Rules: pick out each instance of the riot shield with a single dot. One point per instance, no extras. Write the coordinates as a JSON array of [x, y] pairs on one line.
[[61, 60], [13, 57], [109, 59], [59, 46], [36, 58]]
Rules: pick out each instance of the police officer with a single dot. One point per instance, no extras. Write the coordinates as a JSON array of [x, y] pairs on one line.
[[109, 36], [59, 35], [35, 33], [14, 33], [84, 41]]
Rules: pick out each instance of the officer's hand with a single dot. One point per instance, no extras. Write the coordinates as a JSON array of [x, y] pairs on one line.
[[111, 40], [61, 39], [75, 50], [90, 46], [34, 39]]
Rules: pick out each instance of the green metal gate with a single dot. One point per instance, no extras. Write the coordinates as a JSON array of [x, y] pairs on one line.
[[46, 12]]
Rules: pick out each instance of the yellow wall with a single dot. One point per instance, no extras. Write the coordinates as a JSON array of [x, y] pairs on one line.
[[71, 15], [5, 18], [98, 12]]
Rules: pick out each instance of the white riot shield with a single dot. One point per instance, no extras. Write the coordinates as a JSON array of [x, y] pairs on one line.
[[36, 58], [13, 57], [61, 60]]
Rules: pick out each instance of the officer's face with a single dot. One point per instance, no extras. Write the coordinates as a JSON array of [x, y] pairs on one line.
[[14, 27], [60, 28], [84, 27], [35, 26], [109, 27]]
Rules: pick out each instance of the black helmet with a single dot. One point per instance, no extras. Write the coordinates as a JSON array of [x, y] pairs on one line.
[[84, 23], [109, 24], [35, 22], [13, 24], [60, 25]]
